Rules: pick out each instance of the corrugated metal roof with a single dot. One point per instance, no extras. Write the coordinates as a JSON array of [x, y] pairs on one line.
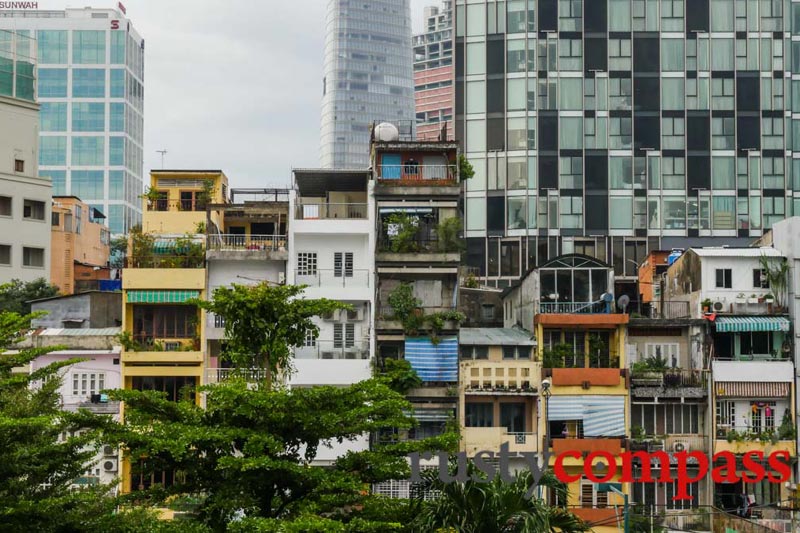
[[85, 332], [732, 324], [737, 252], [751, 389], [495, 337]]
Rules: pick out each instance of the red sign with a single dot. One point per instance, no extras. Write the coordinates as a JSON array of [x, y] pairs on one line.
[[114, 24], [122, 8]]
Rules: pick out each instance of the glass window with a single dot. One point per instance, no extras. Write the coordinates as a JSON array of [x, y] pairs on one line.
[[517, 133], [58, 179], [117, 83], [476, 214], [674, 213], [88, 46], [772, 133], [476, 136], [697, 93], [53, 82], [479, 414], [476, 97], [672, 15], [571, 133], [516, 55], [721, 15], [52, 46], [569, 15], [571, 93], [722, 93], [619, 15], [672, 130], [571, 208], [773, 168], [722, 133], [620, 91], [53, 116], [774, 211], [118, 47], [620, 172], [673, 173], [619, 54], [116, 151], [672, 93], [88, 116], [516, 96], [620, 133], [532, 217], [517, 173], [595, 132], [570, 52], [621, 212], [88, 82], [724, 212], [87, 184], [517, 212], [476, 58], [672, 55], [723, 175], [516, 17], [722, 56], [116, 185], [52, 150], [87, 151], [116, 116], [570, 173]]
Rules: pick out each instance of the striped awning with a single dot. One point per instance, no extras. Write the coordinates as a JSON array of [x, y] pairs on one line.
[[603, 416], [433, 362], [752, 389], [734, 324], [161, 297]]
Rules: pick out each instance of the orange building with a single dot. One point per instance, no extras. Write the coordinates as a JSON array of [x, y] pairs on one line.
[[650, 272], [80, 246]]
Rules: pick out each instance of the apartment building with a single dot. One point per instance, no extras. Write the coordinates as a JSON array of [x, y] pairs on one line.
[[80, 246], [24, 195], [164, 349], [433, 74], [331, 241]]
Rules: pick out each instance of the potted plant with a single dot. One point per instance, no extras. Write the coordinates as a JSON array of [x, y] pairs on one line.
[[753, 299], [657, 444], [706, 305], [741, 298], [769, 298], [638, 441], [672, 378]]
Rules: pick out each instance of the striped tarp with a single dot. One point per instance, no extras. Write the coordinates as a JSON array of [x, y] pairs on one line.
[[433, 362], [734, 324], [752, 389], [161, 296], [603, 416]]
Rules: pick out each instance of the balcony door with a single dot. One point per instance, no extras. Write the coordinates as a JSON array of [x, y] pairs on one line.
[[512, 416]]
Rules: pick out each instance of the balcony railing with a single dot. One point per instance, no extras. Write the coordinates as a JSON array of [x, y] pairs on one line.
[[386, 312], [574, 307], [335, 278], [176, 205], [250, 375], [667, 310], [316, 211], [417, 173], [777, 356], [334, 350], [164, 261], [421, 244], [675, 377], [237, 243]]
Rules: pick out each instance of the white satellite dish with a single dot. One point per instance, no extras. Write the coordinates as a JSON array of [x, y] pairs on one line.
[[623, 302]]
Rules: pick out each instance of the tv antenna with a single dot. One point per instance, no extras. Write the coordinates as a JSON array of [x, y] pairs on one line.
[[163, 153]]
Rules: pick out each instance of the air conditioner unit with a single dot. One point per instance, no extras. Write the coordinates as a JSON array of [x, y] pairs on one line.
[[110, 465], [680, 446], [109, 450], [327, 355], [354, 314], [331, 316], [719, 305], [172, 346]]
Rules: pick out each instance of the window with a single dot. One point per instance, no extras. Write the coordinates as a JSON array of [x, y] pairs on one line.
[[5, 206], [310, 339], [88, 383], [672, 16], [723, 176], [726, 413], [343, 264], [722, 94], [116, 116], [672, 55], [571, 173], [673, 173], [32, 257], [762, 416], [674, 213], [87, 184], [88, 117], [88, 151], [344, 335], [88, 46], [474, 352], [164, 321], [479, 415], [620, 133], [33, 210], [52, 46], [118, 39], [116, 151], [774, 211], [517, 212], [5, 254], [569, 15], [52, 150], [571, 133], [722, 131], [723, 276], [307, 264], [760, 280], [487, 311], [117, 83], [772, 133], [621, 212], [620, 94], [88, 83], [590, 497], [569, 54], [773, 168], [673, 133], [516, 55], [619, 54], [53, 82], [19, 165], [53, 116], [571, 211]]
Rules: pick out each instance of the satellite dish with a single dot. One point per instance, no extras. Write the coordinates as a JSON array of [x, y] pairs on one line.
[[607, 297], [623, 302]]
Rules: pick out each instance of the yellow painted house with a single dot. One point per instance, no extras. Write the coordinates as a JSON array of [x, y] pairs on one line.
[[164, 270]]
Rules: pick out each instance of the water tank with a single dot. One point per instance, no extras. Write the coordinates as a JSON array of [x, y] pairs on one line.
[[386, 132], [673, 256]]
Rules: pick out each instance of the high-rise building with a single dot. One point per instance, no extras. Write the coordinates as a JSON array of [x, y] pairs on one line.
[[24, 196], [610, 128], [433, 73], [91, 92], [367, 77]]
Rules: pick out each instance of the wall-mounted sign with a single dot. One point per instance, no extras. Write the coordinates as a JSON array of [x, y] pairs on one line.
[[19, 5]]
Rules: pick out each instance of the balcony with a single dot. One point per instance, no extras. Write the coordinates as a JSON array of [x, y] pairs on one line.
[[163, 204], [221, 375], [500, 378], [328, 211], [480, 438], [587, 377], [417, 175], [334, 350], [575, 307], [337, 284], [247, 247], [420, 249], [674, 382], [742, 444], [164, 261], [164, 277], [386, 319], [668, 310]]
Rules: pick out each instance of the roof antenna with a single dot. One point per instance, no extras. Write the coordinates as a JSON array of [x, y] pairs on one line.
[[163, 153]]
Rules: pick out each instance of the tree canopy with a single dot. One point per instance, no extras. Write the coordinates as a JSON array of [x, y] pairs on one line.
[[15, 295]]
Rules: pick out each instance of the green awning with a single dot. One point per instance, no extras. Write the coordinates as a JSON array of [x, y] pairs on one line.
[[168, 247], [161, 297], [735, 324]]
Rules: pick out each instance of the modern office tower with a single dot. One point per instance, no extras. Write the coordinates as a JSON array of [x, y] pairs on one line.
[[433, 73], [24, 196], [91, 91], [610, 128], [367, 77]]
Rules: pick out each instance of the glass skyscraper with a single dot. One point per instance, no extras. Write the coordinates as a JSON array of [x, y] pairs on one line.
[[613, 127], [368, 77], [91, 92]]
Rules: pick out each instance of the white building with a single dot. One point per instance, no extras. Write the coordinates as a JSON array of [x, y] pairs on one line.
[[91, 90], [331, 250], [25, 197]]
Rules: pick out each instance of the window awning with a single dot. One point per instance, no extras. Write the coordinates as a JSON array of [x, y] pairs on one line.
[[734, 324], [752, 389], [161, 297], [602, 416]]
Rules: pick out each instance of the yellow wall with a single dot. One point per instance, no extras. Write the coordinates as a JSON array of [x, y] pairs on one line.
[[173, 220], [164, 278]]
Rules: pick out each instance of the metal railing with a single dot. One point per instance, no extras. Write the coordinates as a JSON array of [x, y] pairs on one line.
[[220, 375], [236, 243], [162, 204], [334, 350], [164, 261], [163, 342], [522, 438], [417, 245], [333, 277], [604, 360], [417, 173], [315, 211], [666, 310], [574, 307], [674, 378], [778, 356]]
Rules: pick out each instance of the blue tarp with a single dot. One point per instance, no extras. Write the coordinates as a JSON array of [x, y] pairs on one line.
[[433, 362]]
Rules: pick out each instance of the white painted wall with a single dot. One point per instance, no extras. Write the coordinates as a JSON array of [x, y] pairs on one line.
[[741, 278], [753, 371], [19, 139]]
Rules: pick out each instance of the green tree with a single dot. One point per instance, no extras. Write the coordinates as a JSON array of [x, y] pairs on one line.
[[119, 250], [493, 507], [16, 294], [263, 322], [36, 468]]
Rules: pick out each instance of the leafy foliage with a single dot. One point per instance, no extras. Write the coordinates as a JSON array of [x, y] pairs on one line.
[[399, 375], [406, 308], [465, 169], [777, 273], [401, 231], [556, 356], [119, 249], [16, 294], [262, 322], [654, 363], [448, 233]]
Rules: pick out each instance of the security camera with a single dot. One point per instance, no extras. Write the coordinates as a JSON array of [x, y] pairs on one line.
[[546, 382]]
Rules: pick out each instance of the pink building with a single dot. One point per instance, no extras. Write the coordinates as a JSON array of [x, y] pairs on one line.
[[433, 74]]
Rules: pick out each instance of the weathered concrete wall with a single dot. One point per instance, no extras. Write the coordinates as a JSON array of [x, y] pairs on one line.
[[725, 523], [471, 302], [97, 309]]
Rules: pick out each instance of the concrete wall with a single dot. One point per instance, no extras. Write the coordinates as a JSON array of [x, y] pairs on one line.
[[471, 302], [520, 305], [90, 246], [19, 140], [98, 309]]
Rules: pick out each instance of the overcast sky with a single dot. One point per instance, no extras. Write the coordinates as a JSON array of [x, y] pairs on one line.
[[233, 84]]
